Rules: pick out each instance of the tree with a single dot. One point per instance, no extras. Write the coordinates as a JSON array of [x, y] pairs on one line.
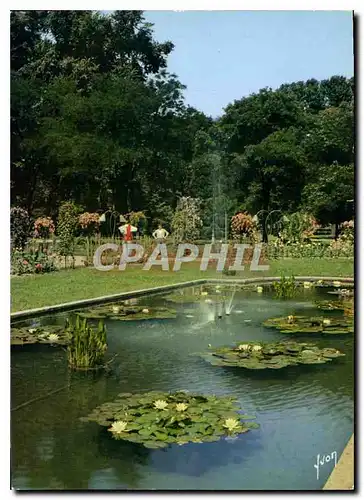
[[254, 118], [26, 29], [330, 137], [59, 58], [47, 44], [338, 90], [317, 96], [328, 196], [97, 119], [272, 173]]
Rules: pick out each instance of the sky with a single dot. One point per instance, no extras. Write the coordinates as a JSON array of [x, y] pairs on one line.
[[226, 55]]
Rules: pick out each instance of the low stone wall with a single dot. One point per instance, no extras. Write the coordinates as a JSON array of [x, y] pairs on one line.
[[42, 311]]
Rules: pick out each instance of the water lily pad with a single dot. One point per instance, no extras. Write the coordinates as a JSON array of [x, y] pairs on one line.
[[305, 324], [270, 356], [121, 312], [52, 335], [159, 422]]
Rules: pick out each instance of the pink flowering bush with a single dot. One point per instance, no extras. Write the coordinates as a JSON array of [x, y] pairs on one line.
[[341, 247], [242, 225], [89, 222], [347, 231], [43, 227], [344, 245]]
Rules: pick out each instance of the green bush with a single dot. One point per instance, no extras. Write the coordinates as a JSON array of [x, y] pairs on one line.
[[19, 227], [66, 229], [298, 227]]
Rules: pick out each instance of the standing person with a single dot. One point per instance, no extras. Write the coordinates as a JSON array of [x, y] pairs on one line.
[[128, 235], [127, 231], [160, 234]]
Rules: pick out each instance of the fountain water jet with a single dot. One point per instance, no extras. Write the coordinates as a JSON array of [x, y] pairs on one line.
[[230, 306]]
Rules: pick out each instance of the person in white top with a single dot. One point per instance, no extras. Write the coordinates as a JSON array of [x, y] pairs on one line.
[[160, 234]]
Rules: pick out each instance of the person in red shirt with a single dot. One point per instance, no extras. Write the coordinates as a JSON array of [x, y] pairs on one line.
[[128, 233]]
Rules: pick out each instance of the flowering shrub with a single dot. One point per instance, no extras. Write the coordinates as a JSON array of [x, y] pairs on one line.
[[347, 231], [89, 222], [298, 227], [342, 247], [43, 227], [187, 222], [19, 227], [311, 225], [31, 262], [348, 224], [137, 219], [277, 249], [242, 225], [315, 249]]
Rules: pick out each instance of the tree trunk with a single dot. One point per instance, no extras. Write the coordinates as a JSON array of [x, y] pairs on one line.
[[336, 230], [31, 191], [265, 214], [128, 198]]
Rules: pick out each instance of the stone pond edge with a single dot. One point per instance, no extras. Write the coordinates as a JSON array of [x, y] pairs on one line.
[[342, 476], [41, 311]]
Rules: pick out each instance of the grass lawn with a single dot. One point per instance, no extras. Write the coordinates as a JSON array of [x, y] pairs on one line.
[[28, 292]]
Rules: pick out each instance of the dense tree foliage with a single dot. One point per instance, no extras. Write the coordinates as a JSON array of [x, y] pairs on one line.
[[96, 119]]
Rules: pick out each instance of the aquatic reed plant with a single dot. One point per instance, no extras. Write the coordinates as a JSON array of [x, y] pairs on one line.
[[87, 346], [285, 288]]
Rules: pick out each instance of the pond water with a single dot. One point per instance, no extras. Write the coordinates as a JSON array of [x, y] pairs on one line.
[[302, 411]]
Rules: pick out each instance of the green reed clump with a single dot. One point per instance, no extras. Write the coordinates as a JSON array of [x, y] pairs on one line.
[[285, 288], [87, 346]]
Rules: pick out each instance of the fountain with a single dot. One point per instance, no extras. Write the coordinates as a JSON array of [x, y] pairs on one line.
[[220, 309], [230, 306], [209, 315]]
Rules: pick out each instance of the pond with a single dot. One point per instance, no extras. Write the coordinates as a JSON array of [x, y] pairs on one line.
[[303, 411]]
